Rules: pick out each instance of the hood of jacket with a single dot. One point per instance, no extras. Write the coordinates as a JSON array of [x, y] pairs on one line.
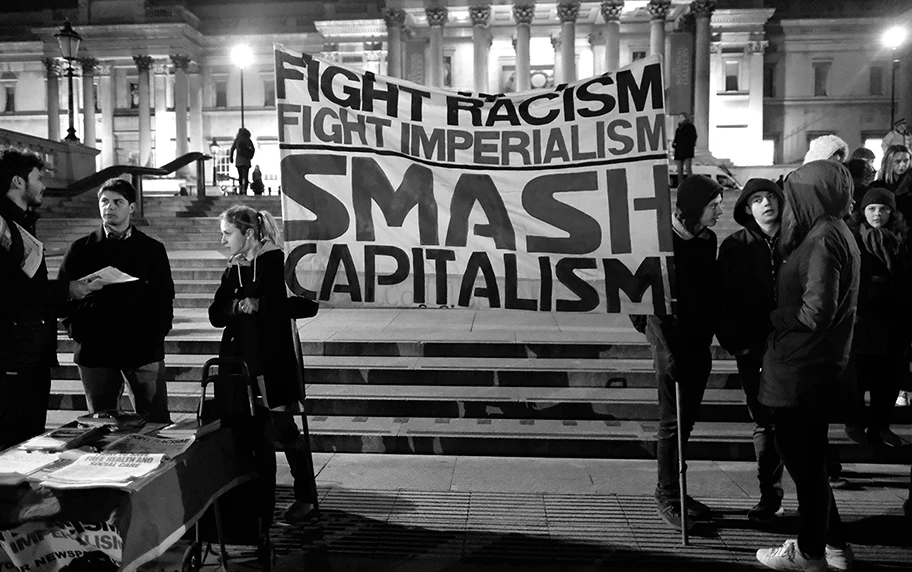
[[818, 189], [746, 219]]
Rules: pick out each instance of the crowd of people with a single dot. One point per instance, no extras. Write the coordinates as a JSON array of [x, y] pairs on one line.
[[811, 298]]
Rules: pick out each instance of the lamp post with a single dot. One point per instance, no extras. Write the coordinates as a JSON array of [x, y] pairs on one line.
[[893, 38], [214, 150], [241, 57], [68, 40]]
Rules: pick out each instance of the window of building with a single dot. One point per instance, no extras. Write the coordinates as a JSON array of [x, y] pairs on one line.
[[269, 99], [732, 70], [821, 77], [10, 105], [876, 81], [769, 80], [221, 93], [768, 149], [873, 142], [637, 55]]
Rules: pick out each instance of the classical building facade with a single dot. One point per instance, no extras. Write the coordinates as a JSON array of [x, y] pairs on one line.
[[155, 79]]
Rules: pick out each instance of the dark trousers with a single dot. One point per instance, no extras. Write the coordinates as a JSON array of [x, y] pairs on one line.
[[882, 375], [769, 464], [148, 389], [801, 435], [279, 427], [688, 366], [243, 179], [23, 404]]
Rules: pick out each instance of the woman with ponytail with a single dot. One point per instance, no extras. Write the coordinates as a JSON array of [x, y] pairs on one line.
[[252, 305]]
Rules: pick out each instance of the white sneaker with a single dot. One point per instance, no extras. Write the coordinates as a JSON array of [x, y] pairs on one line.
[[840, 558], [903, 399], [789, 557]]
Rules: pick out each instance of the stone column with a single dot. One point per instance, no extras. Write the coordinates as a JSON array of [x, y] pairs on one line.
[[106, 101], [181, 62], [143, 63], [164, 150], [702, 10], [611, 11], [88, 102], [567, 13], [53, 98], [558, 62], [394, 20], [523, 14], [436, 17], [658, 10], [481, 43], [597, 44], [197, 141]]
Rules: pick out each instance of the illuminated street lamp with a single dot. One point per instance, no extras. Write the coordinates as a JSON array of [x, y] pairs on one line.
[[241, 56], [893, 38], [214, 150], [68, 40]]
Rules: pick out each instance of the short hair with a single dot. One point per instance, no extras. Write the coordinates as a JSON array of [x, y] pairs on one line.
[[121, 186], [17, 163], [863, 153]]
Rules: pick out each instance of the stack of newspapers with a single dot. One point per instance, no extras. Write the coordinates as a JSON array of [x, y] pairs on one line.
[[103, 470]]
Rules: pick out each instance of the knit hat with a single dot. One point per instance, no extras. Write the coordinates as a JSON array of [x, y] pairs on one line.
[[878, 196], [823, 148], [694, 194]]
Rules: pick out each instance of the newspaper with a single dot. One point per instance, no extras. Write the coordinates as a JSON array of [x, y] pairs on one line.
[[147, 444], [103, 470], [108, 275], [33, 249], [15, 465]]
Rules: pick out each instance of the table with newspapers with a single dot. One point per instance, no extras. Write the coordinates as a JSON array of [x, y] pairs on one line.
[[111, 507]]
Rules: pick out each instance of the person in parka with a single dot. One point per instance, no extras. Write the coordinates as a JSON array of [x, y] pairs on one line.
[[882, 334], [749, 261], [807, 353], [681, 342]]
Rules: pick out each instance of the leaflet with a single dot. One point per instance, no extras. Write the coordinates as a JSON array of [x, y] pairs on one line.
[[147, 444], [108, 275], [15, 465], [103, 470]]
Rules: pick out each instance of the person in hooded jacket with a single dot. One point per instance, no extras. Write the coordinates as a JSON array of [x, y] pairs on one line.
[[681, 343], [807, 353], [749, 261], [882, 335]]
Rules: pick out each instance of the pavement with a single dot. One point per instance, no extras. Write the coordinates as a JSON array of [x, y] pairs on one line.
[[407, 513]]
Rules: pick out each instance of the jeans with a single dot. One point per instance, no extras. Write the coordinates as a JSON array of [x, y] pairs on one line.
[[801, 435], [104, 385], [23, 404], [769, 465], [688, 366]]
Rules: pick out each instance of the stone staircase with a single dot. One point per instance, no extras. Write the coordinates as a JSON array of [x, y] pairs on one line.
[[437, 381]]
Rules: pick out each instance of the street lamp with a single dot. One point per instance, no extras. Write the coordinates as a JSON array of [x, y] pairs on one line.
[[68, 40], [893, 38], [241, 57], [214, 150]]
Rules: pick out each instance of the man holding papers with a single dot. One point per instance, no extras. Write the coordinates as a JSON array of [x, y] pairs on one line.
[[120, 329], [28, 325]]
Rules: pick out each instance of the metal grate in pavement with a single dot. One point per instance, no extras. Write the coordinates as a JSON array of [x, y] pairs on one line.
[[564, 529]]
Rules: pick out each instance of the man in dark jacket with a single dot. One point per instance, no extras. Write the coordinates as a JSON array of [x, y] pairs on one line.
[[748, 264], [680, 343], [120, 330], [807, 353], [28, 326]]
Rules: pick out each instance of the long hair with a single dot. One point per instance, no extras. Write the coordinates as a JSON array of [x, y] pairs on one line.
[[889, 161], [897, 223], [263, 223]]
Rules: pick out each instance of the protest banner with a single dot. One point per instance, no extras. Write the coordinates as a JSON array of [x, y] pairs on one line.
[[402, 195], [54, 546]]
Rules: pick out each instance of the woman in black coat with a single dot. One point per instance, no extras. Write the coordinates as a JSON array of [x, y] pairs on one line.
[[882, 334], [252, 305]]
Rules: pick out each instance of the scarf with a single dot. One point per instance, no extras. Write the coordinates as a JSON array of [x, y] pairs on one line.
[[882, 243]]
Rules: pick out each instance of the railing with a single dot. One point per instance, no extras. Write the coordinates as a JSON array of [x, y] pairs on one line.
[[66, 162]]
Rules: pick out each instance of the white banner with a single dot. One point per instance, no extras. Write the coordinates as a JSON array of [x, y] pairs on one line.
[[52, 546], [402, 195]]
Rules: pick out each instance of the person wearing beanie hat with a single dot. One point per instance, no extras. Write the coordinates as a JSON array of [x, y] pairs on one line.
[[807, 354], [827, 147], [882, 334], [749, 262], [898, 136], [681, 343]]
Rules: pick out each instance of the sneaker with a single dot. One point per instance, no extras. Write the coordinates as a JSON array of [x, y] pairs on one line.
[[670, 511], [765, 511], [902, 400], [838, 483], [300, 513], [857, 434], [789, 557], [839, 558], [696, 509]]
